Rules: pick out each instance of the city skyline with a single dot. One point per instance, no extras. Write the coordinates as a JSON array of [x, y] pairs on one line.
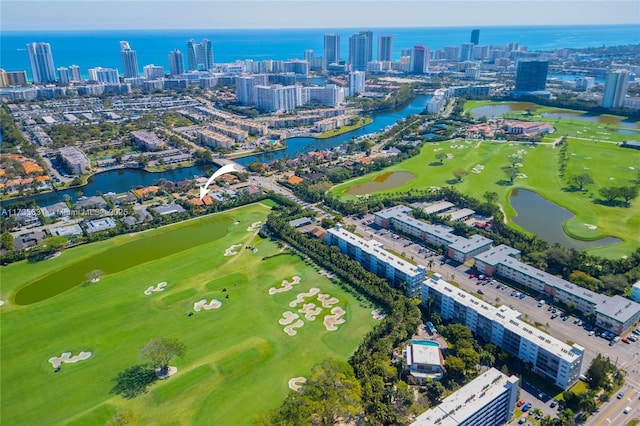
[[56, 15]]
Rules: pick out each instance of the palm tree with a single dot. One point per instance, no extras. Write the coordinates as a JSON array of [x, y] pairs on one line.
[[430, 264]]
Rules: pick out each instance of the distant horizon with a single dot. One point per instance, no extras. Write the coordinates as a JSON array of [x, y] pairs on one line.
[[71, 15], [356, 28]]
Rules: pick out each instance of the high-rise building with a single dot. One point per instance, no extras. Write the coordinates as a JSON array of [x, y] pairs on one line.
[[451, 53], [615, 88], [488, 400], [331, 48], [129, 60], [176, 62], [296, 66], [153, 72], [63, 75], [13, 78], [360, 47], [405, 52], [420, 57], [356, 82], [277, 97], [531, 75], [308, 55], [475, 36], [385, 47], [244, 89], [104, 75], [199, 55], [41, 60], [466, 51], [75, 73]]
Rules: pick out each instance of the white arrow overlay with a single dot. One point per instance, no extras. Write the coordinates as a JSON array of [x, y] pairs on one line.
[[222, 170]]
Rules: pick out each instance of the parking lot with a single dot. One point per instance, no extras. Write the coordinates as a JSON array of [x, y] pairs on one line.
[[569, 329]]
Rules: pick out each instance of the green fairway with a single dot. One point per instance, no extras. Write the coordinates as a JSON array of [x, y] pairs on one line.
[[239, 358], [608, 164]]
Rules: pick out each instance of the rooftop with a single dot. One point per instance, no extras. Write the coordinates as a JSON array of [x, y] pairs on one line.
[[465, 402]]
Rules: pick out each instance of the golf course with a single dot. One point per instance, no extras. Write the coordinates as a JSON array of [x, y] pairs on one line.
[[251, 315], [592, 148]]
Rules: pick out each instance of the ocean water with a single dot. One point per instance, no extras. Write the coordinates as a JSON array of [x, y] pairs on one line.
[[89, 49]]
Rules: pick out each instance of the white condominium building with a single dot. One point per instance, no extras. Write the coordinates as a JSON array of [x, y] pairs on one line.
[[547, 356]]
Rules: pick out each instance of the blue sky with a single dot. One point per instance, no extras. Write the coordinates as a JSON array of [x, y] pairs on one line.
[[30, 15]]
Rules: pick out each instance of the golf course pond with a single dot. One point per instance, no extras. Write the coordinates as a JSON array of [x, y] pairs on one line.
[[125, 256], [492, 111], [544, 219], [381, 182]]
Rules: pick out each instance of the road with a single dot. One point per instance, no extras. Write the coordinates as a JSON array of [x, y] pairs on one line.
[[625, 356]]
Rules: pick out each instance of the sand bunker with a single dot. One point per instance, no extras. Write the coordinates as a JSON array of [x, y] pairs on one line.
[[254, 226], [288, 318], [377, 315], [590, 226], [286, 286], [326, 300], [232, 250], [68, 359], [1, 302], [301, 296], [157, 287], [291, 329], [332, 321], [296, 383], [202, 304], [171, 371], [310, 311]]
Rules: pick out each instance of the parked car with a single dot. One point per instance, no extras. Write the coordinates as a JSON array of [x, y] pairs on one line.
[[520, 403], [620, 395], [553, 404], [526, 407], [625, 340], [522, 296], [480, 291]]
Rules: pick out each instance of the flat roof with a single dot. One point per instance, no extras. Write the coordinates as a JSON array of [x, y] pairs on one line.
[[425, 354], [617, 307], [392, 211], [509, 319], [377, 249], [457, 214], [467, 245], [468, 400], [437, 207]]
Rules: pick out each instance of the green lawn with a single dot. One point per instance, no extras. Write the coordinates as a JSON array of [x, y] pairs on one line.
[[238, 359], [608, 164]]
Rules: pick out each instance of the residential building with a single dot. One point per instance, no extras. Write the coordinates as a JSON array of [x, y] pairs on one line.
[[615, 88], [585, 83], [296, 66], [199, 55], [615, 314], [13, 78], [531, 75], [451, 53], [66, 231], [98, 225], [215, 139], [329, 95], [104, 75], [75, 73], [424, 360], [63, 75], [153, 72], [356, 82], [373, 257], [75, 160], [360, 50], [41, 60], [176, 62], [475, 36], [488, 400], [244, 89], [420, 57], [331, 49], [545, 355], [385, 47], [458, 248], [147, 141], [277, 97], [169, 209], [466, 51], [238, 135], [129, 60]]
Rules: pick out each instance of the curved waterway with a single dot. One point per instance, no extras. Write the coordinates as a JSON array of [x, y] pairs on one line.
[[544, 219], [122, 180]]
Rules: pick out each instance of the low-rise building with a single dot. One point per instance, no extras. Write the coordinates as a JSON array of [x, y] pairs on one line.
[[488, 400], [615, 314], [169, 209], [56, 210], [635, 292], [373, 257], [102, 224], [545, 355], [75, 160], [215, 139], [424, 360], [148, 141], [66, 231]]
